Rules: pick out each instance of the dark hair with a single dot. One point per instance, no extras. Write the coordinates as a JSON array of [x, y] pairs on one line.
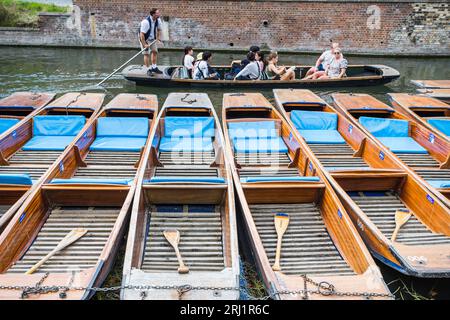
[[263, 59], [206, 55], [254, 49], [187, 49], [153, 11], [251, 56]]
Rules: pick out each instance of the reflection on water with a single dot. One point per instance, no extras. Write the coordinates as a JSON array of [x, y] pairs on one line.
[[63, 70]]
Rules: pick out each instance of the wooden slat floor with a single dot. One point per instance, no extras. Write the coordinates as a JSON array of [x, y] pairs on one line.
[[262, 159], [34, 171], [107, 164], [34, 163], [186, 164], [380, 208], [83, 253], [200, 240], [425, 166], [3, 210], [307, 247], [337, 156]]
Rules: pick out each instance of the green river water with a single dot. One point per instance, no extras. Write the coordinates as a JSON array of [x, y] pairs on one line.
[[63, 70]]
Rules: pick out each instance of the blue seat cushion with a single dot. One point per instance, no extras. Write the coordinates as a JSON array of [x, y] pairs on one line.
[[57, 125], [189, 127], [440, 184], [260, 145], [187, 144], [92, 181], [5, 124], [252, 129], [19, 179], [186, 179], [322, 136], [48, 143], [402, 145], [280, 179], [130, 144], [442, 125], [314, 120], [122, 127], [380, 127]]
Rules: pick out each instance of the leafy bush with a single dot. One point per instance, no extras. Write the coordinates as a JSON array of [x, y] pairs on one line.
[[24, 14]]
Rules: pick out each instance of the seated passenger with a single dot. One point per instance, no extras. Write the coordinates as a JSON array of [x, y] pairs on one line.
[[188, 60], [251, 71], [322, 63], [278, 73], [262, 62], [203, 69], [337, 67]]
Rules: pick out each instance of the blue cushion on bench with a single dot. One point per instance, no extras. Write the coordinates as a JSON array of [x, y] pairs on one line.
[[442, 125], [280, 179], [122, 127], [440, 184], [252, 129], [92, 181], [189, 127], [402, 145], [186, 179], [19, 179], [186, 144], [57, 125], [260, 145], [128, 144], [5, 124], [314, 120], [380, 127], [48, 143], [322, 136]]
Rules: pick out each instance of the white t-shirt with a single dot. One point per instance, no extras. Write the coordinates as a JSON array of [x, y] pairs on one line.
[[326, 58], [189, 61], [201, 71], [145, 26]]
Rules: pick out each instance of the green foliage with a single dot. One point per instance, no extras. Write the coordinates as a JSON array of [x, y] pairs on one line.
[[24, 14]]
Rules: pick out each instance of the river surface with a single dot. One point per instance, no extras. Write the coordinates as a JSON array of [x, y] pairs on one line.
[[63, 70]]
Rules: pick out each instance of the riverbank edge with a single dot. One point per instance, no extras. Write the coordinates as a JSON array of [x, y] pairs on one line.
[[235, 50]]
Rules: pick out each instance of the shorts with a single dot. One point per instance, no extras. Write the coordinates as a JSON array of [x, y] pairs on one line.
[[320, 68], [153, 47]]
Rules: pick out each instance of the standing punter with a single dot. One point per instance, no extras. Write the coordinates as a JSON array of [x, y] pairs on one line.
[[150, 30]]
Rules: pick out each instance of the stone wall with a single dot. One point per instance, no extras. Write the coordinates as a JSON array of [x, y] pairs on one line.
[[374, 27]]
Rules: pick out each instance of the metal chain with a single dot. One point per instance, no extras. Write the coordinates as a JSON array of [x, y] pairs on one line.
[[188, 101], [323, 288]]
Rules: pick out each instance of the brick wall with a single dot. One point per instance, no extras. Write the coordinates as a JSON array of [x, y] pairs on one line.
[[377, 27]]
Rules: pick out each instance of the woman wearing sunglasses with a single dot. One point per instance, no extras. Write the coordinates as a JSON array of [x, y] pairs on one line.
[[337, 67]]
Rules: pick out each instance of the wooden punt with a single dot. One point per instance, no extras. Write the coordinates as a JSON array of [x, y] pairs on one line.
[[191, 190], [67, 200], [372, 195], [320, 242], [15, 160], [176, 76], [423, 110], [430, 167], [432, 84]]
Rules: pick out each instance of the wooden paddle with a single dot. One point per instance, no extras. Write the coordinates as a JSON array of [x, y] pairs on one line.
[[281, 221], [401, 217], [70, 238], [173, 237]]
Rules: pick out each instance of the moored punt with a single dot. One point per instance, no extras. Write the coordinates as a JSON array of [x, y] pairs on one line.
[[274, 177], [432, 84], [176, 76], [185, 189], [91, 186], [429, 112], [422, 153], [372, 195], [28, 149], [441, 94], [19, 105]]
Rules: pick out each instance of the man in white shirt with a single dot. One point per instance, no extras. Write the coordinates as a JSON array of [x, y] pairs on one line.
[[323, 61], [150, 30]]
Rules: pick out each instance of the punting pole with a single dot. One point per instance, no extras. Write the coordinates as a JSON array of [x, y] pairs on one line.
[[123, 65]]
